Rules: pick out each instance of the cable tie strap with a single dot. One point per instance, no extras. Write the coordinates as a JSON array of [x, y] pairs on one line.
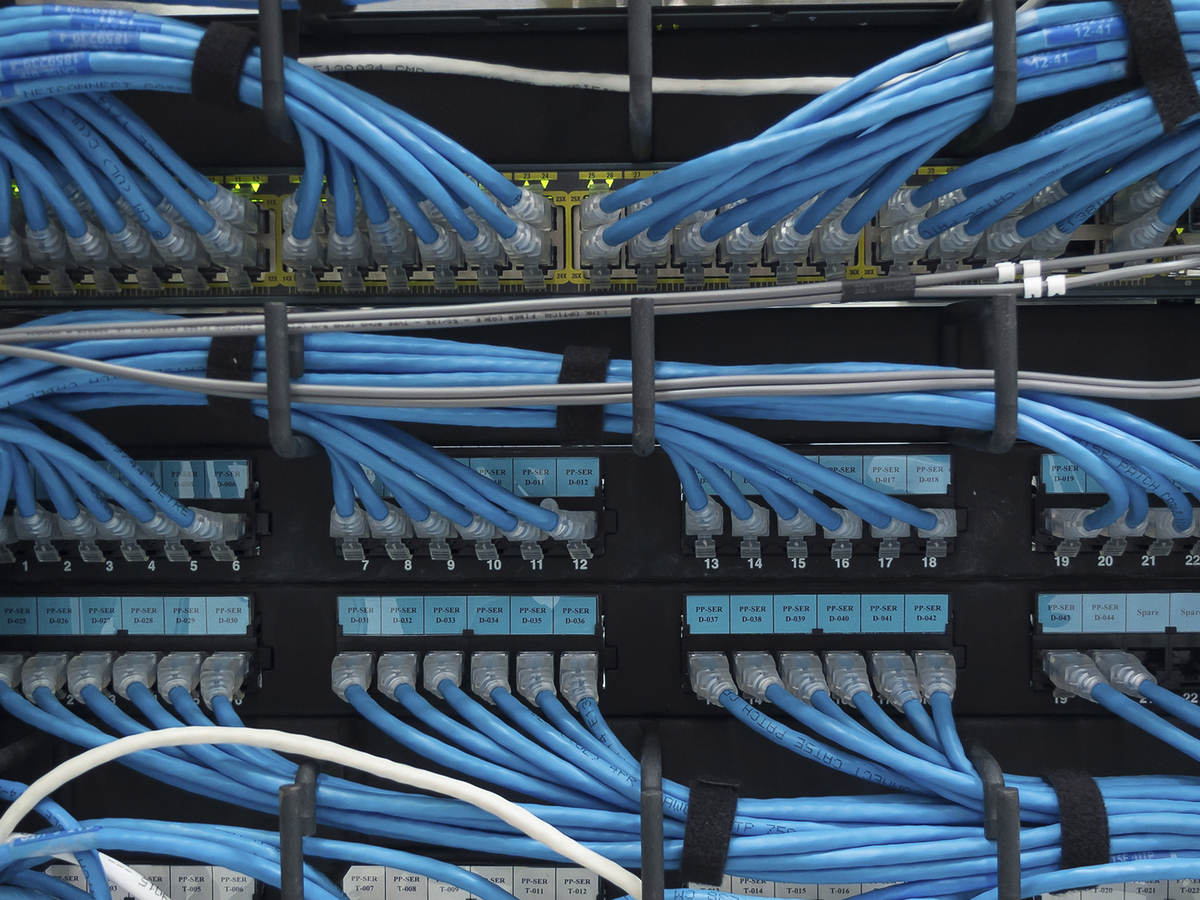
[[1056, 285], [890, 287], [230, 358], [1006, 272], [1033, 287], [582, 425], [1082, 818], [1159, 59], [217, 68], [712, 806]]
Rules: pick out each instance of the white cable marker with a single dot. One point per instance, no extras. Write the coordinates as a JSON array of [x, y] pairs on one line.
[[327, 751]]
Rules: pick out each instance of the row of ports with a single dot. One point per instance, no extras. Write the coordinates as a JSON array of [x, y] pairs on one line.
[[1159, 533]]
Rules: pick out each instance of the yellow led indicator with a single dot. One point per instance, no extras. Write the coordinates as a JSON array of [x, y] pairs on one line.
[[591, 183], [609, 181], [545, 183], [255, 185]]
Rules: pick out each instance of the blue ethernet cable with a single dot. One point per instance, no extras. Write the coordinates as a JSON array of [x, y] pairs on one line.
[[56, 816], [341, 185], [887, 728], [943, 719]]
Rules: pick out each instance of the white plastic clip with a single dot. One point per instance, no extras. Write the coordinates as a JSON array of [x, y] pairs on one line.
[[1033, 287], [1056, 285], [1006, 272], [1031, 268]]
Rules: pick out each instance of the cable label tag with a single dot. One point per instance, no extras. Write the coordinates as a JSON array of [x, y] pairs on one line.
[[25, 68], [94, 40], [1106, 29]]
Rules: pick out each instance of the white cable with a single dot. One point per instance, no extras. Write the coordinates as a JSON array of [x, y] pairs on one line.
[[128, 881], [596, 81], [326, 751]]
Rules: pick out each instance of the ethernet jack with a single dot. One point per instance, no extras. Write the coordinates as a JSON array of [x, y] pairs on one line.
[[1144, 232], [937, 672], [895, 676], [890, 536], [396, 670], [392, 529], [1123, 670], [8, 536], [598, 255], [1137, 199], [755, 672], [39, 527], [954, 245], [1002, 241], [646, 254], [803, 675], [796, 529], [180, 669], [787, 247], [215, 529], [303, 256], [435, 528], [349, 670], [534, 209], [349, 531], [82, 531], [159, 527], [535, 673], [693, 250], [704, 524], [443, 255], [900, 209], [709, 675], [1163, 533], [10, 669], [904, 244], [575, 528], [224, 674], [44, 670], [844, 536], [832, 244], [1049, 243], [92, 251], [593, 215], [484, 253], [936, 538], [1119, 532], [846, 673], [489, 672], [528, 248], [393, 247], [440, 666], [123, 528], [48, 250], [579, 676], [1070, 528], [742, 248], [529, 537], [92, 668], [483, 533], [750, 529], [135, 667], [1072, 673]]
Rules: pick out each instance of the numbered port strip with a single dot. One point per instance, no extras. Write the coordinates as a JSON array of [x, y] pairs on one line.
[[807, 613], [893, 473], [524, 883], [86, 616], [1137, 613], [177, 882], [479, 613]]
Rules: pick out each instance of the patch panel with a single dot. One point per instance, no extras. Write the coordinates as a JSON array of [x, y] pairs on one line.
[[816, 614], [225, 527], [564, 265], [478, 615], [523, 882]]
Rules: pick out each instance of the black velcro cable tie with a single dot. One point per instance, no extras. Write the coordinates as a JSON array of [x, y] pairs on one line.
[[890, 287], [582, 425], [230, 357], [1158, 58], [217, 69], [712, 805], [1082, 818]]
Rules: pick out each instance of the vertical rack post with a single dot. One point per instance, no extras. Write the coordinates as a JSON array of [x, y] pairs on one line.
[[640, 25], [653, 864], [270, 42]]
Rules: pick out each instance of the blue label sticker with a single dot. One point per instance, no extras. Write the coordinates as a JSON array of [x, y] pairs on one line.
[[839, 613], [536, 477], [929, 473], [497, 469], [578, 476], [100, 615], [848, 466], [575, 615], [228, 615], [488, 615], [532, 615], [883, 613], [226, 479], [18, 615], [751, 614], [58, 615], [1103, 612], [185, 615], [1147, 612], [359, 615], [184, 479], [888, 474], [402, 615], [1060, 612], [1185, 612], [926, 613], [795, 613], [1061, 476], [445, 615], [142, 615], [708, 613]]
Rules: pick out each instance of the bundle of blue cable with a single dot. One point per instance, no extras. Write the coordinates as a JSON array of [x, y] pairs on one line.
[[925, 835], [845, 155], [396, 166]]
